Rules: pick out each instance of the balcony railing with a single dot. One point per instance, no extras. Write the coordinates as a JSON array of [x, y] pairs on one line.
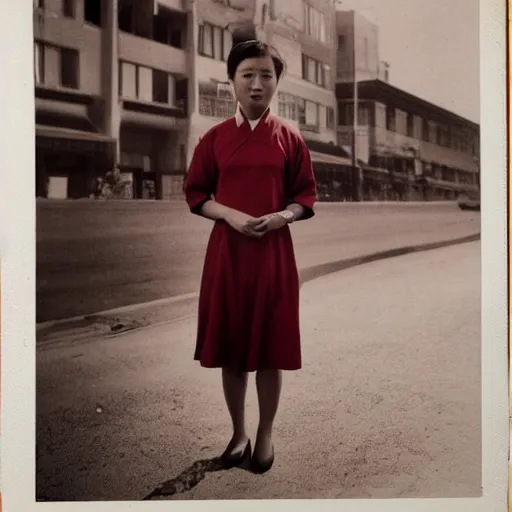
[[212, 106]]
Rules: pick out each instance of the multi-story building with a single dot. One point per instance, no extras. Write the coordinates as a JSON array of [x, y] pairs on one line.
[[304, 34], [111, 91], [133, 84], [407, 147]]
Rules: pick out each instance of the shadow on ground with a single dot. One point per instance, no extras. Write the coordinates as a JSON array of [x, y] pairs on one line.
[[189, 478]]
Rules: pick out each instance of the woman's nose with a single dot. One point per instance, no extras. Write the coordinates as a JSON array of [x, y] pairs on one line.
[[256, 83]]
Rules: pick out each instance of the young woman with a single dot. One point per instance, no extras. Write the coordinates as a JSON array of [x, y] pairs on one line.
[[252, 175]]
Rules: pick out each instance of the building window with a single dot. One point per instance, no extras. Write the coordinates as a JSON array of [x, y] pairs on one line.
[[92, 12], [56, 67], [312, 113], [162, 87], [345, 116], [390, 119], [432, 132], [206, 40], [146, 84], [314, 23], [329, 118], [69, 68], [315, 71], [342, 41], [363, 114], [169, 27], [443, 136], [125, 17], [128, 80], [425, 131], [410, 125], [68, 8], [214, 42], [400, 122], [308, 113], [287, 105], [380, 115]]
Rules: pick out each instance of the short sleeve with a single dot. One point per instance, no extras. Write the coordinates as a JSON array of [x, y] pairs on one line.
[[303, 188], [200, 182]]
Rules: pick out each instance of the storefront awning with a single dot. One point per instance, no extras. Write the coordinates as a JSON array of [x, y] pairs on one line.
[[63, 114], [322, 158], [56, 132], [57, 140], [154, 121], [62, 108]]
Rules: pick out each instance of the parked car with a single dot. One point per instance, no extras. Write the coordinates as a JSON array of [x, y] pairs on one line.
[[469, 202]]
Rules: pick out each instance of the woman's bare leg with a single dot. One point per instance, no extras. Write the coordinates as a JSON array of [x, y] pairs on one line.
[[234, 384], [268, 385]]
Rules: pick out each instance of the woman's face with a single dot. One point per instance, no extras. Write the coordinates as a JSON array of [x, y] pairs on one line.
[[255, 83]]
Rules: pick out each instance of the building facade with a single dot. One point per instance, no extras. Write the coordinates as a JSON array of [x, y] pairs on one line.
[[407, 147], [133, 84], [111, 87], [304, 34]]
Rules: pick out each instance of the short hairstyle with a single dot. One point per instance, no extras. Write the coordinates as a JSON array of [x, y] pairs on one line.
[[252, 49]]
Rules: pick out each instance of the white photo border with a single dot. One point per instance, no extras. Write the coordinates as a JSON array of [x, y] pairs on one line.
[[17, 252]]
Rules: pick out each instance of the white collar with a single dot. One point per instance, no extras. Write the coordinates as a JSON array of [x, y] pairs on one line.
[[239, 117]]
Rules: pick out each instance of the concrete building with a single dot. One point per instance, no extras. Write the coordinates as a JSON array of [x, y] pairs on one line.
[[304, 34], [408, 148], [133, 84], [111, 86]]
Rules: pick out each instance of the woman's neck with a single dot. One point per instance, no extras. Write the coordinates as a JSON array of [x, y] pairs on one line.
[[251, 116]]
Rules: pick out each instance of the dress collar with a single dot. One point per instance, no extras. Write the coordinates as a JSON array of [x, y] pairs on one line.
[[240, 118]]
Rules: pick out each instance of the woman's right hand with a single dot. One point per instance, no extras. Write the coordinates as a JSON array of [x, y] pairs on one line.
[[241, 222]]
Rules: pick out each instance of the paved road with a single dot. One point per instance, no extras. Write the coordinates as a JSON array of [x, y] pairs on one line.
[[93, 256], [387, 404]]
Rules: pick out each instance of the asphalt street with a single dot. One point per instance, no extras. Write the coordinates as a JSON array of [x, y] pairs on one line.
[[387, 404], [97, 255]]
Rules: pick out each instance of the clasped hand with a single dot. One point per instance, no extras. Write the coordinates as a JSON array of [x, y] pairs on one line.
[[255, 227]]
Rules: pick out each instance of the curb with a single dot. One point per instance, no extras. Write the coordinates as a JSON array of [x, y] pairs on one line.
[[307, 274], [117, 311], [316, 271]]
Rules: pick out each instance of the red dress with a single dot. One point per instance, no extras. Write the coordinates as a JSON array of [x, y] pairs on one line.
[[248, 317]]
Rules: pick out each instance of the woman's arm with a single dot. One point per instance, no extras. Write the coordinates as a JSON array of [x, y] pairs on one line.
[[215, 211], [239, 221]]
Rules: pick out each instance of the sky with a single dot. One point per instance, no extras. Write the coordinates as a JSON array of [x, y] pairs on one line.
[[432, 47]]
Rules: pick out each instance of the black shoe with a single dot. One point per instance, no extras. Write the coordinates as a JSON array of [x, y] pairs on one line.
[[262, 465], [232, 459]]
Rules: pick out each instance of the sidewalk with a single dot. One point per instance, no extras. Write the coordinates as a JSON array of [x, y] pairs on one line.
[[370, 415], [136, 316]]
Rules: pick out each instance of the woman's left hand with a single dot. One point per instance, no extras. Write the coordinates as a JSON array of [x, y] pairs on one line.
[[268, 223]]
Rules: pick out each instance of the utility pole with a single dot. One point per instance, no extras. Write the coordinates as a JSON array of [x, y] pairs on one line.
[[357, 175], [356, 171]]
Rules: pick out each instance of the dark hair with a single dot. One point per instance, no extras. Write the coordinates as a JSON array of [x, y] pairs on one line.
[[251, 49]]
